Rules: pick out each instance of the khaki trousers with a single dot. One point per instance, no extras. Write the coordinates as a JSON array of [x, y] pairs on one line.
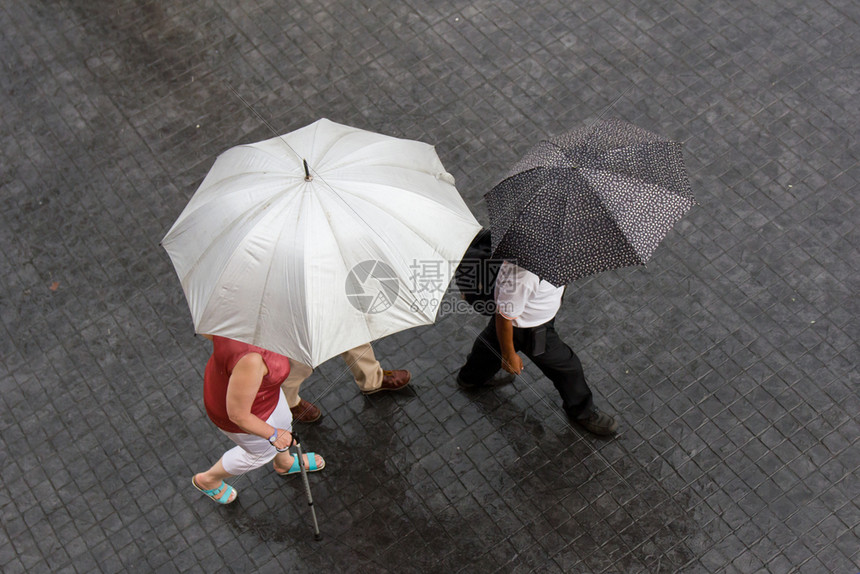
[[361, 362]]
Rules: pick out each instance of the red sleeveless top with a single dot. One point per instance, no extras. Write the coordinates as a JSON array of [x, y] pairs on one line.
[[226, 353]]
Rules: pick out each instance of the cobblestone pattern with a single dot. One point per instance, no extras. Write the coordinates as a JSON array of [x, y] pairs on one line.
[[731, 360]]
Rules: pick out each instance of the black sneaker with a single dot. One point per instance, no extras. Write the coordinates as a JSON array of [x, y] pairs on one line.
[[497, 380], [597, 422]]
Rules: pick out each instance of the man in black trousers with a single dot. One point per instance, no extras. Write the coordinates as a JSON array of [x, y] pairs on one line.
[[525, 312]]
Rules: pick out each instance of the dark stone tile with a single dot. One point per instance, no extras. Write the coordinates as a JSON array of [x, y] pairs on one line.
[[734, 401]]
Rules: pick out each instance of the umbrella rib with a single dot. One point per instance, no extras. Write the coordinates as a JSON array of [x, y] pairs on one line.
[[210, 247], [280, 159], [611, 216], [370, 228], [194, 206], [248, 214], [685, 194], [332, 189], [449, 211], [346, 157], [235, 177], [263, 292]]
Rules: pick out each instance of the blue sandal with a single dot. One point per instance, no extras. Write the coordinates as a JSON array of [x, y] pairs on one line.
[[312, 464], [220, 494]]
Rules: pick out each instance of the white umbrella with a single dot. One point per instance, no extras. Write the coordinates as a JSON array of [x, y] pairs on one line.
[[317, 241]]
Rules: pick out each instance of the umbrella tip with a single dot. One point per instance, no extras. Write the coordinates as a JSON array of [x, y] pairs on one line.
[[308, 175]]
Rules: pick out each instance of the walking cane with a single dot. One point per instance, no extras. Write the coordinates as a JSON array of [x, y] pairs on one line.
[[298, 444]]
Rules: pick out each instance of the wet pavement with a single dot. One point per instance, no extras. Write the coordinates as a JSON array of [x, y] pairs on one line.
[[731, 360]]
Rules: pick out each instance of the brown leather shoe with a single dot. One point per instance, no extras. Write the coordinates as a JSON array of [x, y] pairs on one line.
[[392, 381], [305, 412]]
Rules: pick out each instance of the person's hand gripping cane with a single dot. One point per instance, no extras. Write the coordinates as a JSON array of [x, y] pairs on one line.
[[281, 439]]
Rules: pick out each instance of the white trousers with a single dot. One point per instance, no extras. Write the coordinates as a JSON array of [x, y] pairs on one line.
[[252, 451]]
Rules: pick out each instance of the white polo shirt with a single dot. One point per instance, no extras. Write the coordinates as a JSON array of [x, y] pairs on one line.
[[524, 298]]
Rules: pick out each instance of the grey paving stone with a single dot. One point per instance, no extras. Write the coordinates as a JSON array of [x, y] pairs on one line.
[[730, 359]]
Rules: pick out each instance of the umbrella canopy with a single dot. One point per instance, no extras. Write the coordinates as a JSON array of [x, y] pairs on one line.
[[588, 201], [314, 242]]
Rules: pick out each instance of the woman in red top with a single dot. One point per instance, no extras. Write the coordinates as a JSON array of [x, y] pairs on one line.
[[242, 394]]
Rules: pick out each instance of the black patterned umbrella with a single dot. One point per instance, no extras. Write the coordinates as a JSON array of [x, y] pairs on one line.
[[590, 200]]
